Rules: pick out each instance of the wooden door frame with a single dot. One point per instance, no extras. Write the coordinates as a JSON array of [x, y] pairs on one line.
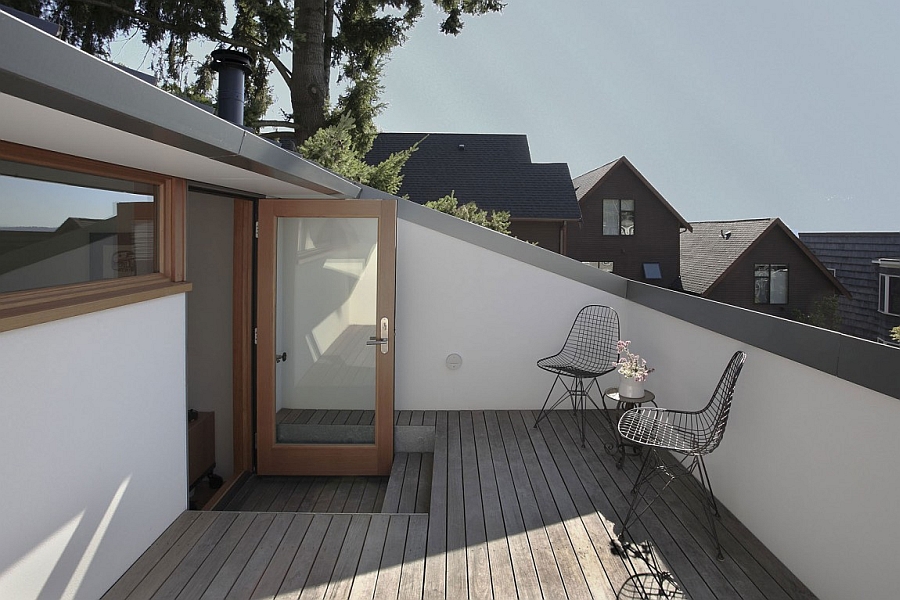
[[242, 332], [326, 459]]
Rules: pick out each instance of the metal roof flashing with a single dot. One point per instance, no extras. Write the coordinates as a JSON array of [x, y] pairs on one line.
[[42, 70], [890, 263]]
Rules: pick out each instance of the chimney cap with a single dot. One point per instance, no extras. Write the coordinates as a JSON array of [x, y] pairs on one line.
[[228, 57]]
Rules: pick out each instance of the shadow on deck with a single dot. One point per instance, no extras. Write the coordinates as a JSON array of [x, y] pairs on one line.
[[514, 511]]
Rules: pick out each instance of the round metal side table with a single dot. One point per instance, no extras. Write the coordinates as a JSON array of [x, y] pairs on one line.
[[623, 404]]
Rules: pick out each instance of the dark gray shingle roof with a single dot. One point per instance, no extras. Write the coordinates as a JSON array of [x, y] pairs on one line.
[[713, 246], [586, 182], [493, 170], [706, 253]]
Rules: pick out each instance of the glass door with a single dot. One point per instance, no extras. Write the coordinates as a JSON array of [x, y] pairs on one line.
[[325, 337]]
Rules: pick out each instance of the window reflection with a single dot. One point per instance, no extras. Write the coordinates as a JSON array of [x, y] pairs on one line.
[[58, 227]]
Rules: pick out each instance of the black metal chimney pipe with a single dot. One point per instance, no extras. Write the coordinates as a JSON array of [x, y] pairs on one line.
[[232, 66]]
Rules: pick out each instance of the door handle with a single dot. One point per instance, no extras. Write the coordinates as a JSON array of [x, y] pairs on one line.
[[281, 357], [381, 340]]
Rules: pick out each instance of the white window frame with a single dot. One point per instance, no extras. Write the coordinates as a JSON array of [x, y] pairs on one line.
[[885, 282]]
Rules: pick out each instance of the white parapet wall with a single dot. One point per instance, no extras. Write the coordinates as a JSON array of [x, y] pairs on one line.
[[808, 462], [93, 438], [498, 314]]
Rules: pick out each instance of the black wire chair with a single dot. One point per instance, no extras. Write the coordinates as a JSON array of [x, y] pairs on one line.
[[589, 352], [690, 434]]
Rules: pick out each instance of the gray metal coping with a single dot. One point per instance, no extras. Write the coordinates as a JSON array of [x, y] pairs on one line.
[[865, 363], [41, 69]]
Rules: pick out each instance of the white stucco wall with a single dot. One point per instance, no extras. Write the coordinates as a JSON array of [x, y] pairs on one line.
[[499, 314], [808, 462], [92, 434]]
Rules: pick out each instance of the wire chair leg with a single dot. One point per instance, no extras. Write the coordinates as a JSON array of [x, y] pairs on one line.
[[708, 487], [635, 497], [544, 410], [710, 507]]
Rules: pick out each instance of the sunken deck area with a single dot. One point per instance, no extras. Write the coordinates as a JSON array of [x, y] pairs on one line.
[[514, 511]]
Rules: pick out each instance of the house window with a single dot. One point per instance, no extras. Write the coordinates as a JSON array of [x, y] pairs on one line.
[[79, 236], [652, 271], [59, 227], [618, 217], [889, 294], [771, 284]]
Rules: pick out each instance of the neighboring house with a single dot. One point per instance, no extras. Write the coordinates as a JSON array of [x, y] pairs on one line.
[[627, 227], [495, 172], [867, 264], [757, 264]]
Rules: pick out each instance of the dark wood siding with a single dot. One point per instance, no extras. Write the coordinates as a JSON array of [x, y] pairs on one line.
[[543, 233], [806, 282], [656, 230]]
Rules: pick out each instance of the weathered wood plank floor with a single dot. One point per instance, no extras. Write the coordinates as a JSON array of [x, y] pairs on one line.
[[514, 511]]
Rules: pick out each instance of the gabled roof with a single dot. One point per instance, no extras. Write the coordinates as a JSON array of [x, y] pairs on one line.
[[585, 183], [714, 247], [492, 170]]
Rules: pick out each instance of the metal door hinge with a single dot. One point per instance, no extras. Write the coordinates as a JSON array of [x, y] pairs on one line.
[[257, 229], [255, 334]]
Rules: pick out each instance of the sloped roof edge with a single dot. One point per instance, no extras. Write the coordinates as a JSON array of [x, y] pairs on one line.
[[624, 160], [45, 71]]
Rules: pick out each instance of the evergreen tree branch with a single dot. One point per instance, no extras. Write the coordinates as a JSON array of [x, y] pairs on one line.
[[217, 36]]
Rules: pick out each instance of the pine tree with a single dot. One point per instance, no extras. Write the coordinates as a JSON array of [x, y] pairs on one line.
[[353, 36]]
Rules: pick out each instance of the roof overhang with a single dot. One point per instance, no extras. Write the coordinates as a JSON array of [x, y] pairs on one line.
[[55, 97]]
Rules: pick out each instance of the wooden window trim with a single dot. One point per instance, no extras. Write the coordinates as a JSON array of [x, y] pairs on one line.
[[30, 307]]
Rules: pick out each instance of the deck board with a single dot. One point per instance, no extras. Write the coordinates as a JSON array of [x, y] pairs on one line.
[[341, 580], [370, 559], [513, 510], [563, 548], [262, 555], [545, 563], [502, 578], [388, 583], [477, 560]]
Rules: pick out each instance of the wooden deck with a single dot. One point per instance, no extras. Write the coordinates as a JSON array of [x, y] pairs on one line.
[[514, 511]]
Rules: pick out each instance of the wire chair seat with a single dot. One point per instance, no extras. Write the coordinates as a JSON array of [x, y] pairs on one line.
[[661, 428], [588, 352], [570, 370], [692, 434]]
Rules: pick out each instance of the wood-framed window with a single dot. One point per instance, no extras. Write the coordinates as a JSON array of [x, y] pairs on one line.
[[770, 284], [77, 236], [618, 217]]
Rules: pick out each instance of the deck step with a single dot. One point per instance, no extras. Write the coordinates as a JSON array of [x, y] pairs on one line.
[[409, 487]]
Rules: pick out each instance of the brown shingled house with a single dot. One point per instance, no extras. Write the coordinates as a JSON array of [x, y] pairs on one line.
[[757, 264], [627, 226]]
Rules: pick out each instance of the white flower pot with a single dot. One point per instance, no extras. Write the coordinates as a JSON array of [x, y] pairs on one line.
[[629, 388]]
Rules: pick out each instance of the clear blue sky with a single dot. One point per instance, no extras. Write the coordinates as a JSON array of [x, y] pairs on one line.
[[731, 110]]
